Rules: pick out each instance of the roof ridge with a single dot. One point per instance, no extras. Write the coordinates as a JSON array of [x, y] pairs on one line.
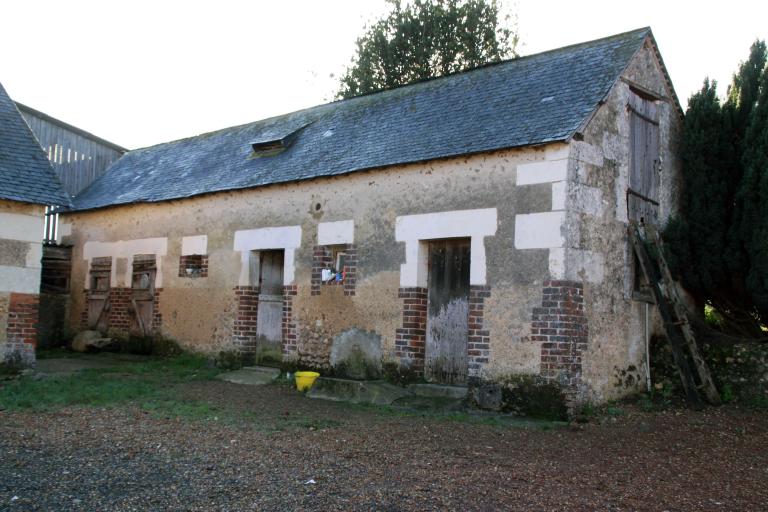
[[403, 86], [532, 100]]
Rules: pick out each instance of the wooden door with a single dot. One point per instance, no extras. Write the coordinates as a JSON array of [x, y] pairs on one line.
[[98, 294], [447, 311], [269, 322], [142, 306], [644, 164]]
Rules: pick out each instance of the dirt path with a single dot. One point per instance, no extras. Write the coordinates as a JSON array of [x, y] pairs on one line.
[[291, 453]]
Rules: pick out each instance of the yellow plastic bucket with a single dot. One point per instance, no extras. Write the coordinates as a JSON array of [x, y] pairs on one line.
[[304, 380]]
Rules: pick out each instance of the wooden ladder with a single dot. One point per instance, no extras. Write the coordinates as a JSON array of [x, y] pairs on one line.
[[674, 314]]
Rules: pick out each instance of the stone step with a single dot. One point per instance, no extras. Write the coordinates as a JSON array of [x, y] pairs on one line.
[[251, 375], [438, 391], [275, 372], [344, 390]]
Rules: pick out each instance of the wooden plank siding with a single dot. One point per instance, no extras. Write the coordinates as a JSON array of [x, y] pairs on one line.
[[78, 157]]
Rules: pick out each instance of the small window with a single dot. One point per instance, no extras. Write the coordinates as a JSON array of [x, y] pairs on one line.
[[193, 265], [99, 283], [335, 268], [141, 281]]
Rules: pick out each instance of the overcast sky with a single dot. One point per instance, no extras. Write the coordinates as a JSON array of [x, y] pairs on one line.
[[143, 72]]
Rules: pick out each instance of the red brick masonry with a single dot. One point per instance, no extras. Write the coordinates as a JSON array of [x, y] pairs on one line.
[[479, 347], [21, 332], [247, 315], [561, 326], [411, 338], [290, 338], [244, 330], [119, 314], [321, 258]]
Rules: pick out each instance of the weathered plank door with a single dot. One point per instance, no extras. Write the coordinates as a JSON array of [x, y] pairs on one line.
[[644, 163], [269, 322], [447, 311], [142, 307], [98, 294]]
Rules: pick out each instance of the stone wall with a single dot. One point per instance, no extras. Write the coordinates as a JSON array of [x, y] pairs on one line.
[[597, 252], [21, 251], [535, 217]]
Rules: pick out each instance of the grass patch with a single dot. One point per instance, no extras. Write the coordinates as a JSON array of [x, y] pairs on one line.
[[103, 387]]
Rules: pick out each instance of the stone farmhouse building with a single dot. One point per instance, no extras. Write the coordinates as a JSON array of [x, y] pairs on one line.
[[468, 227], [28, 185]]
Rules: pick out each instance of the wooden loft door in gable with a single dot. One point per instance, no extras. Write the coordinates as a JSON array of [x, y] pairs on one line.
[[644, 160]]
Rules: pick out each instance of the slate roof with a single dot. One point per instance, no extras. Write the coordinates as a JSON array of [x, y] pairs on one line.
[[26, 174], [530, 100]]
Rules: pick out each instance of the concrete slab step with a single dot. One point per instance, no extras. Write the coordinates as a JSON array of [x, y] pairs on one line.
[[438, 391], [251, 375], [343, 390]]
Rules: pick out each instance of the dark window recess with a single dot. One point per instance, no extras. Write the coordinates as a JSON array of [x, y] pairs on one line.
[[274, 141], [641, 289], [193, 265], [57, 267]]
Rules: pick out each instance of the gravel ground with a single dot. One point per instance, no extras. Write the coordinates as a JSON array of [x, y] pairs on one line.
[[288, 452]]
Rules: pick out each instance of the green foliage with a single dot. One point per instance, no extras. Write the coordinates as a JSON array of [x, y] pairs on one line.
[[752, 197], [104, 387], [425, 39], [719, 243]]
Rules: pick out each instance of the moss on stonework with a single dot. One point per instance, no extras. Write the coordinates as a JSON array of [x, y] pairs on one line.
[[525, 395], [398, 374], [357, 366]]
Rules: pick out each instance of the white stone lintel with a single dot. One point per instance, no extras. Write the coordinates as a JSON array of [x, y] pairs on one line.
[[336, 233], [414, 230], [126, 249], [259, 239], [192, 245]]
